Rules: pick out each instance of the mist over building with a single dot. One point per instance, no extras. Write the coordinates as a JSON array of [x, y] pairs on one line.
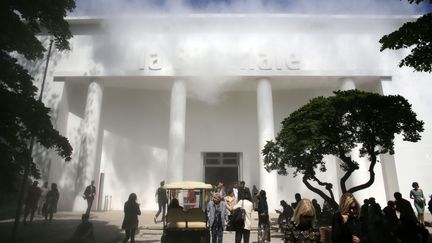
[[193, 96]]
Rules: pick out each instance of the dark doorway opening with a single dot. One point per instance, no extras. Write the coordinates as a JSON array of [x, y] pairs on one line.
[[221, 167]]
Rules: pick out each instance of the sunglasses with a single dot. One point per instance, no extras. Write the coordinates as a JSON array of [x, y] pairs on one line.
[[307, 216]]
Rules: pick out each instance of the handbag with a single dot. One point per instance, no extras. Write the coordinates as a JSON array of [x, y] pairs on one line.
[[420, 202], [236, 221]]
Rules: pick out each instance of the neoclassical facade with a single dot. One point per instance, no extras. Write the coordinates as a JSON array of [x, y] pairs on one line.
[[196, 97]]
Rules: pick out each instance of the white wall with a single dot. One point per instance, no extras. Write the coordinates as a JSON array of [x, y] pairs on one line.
[[229, 125], [135, 142]]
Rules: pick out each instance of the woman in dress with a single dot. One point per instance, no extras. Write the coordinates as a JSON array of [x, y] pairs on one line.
[[346, 225], [52, 198], [419, 201], [130, 221], [302, 228]]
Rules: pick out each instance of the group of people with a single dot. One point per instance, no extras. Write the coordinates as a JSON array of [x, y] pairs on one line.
[[44, 200], [349, 223], [237, 202], [41, 199], [367, 223], [298, 221]]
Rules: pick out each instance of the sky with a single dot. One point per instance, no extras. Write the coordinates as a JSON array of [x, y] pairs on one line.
[[371, 7]]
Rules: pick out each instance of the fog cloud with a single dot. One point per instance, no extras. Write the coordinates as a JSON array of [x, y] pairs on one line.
[[121, 7]]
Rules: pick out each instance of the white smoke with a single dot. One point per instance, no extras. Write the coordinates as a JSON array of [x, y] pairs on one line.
[[131, 37], [122, 7]]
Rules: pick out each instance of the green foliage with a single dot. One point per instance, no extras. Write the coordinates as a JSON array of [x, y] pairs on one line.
[[335, 125], [23, 117], [416, 35]]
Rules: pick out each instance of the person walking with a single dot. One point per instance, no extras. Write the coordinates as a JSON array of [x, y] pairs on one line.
[[217, 217], [89, 195], [31, 202], [42, 199], [50, 207], [130, 220], [162, 200], [263, 218], [419, 201], [245, 203]]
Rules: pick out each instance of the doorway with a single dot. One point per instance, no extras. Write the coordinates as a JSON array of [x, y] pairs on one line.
[[221, 167]]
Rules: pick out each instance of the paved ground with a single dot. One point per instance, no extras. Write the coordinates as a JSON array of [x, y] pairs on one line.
[[106, 227]]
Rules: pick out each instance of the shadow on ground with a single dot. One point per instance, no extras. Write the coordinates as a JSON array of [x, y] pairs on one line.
[[59, 231]]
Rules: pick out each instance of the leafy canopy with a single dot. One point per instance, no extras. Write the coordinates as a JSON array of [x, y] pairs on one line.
[[335, 126], [21, 115], [416, 35]]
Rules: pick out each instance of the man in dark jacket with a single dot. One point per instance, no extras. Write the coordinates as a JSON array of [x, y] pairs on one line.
[[408, 229], [89, 195]]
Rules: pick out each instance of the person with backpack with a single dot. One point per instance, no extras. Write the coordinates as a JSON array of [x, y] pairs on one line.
[[244, 204]]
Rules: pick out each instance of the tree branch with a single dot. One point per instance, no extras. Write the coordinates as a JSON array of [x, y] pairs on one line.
[[327, 186], [331, 201], [371, 180], [351, 168]]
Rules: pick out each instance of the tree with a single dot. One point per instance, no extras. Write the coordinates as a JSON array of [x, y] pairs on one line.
[[416, 35], [23, 116], [336, 125], [25, 119]]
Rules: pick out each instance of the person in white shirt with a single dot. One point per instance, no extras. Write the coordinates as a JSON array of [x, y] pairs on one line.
[[245, 202], [235, 190]]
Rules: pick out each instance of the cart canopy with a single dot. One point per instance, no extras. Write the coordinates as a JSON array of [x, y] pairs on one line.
[[188, 185]]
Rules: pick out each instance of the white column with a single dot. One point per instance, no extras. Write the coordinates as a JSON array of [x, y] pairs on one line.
[[177, 132], [89, 137], [268, 181], [388, 165]]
